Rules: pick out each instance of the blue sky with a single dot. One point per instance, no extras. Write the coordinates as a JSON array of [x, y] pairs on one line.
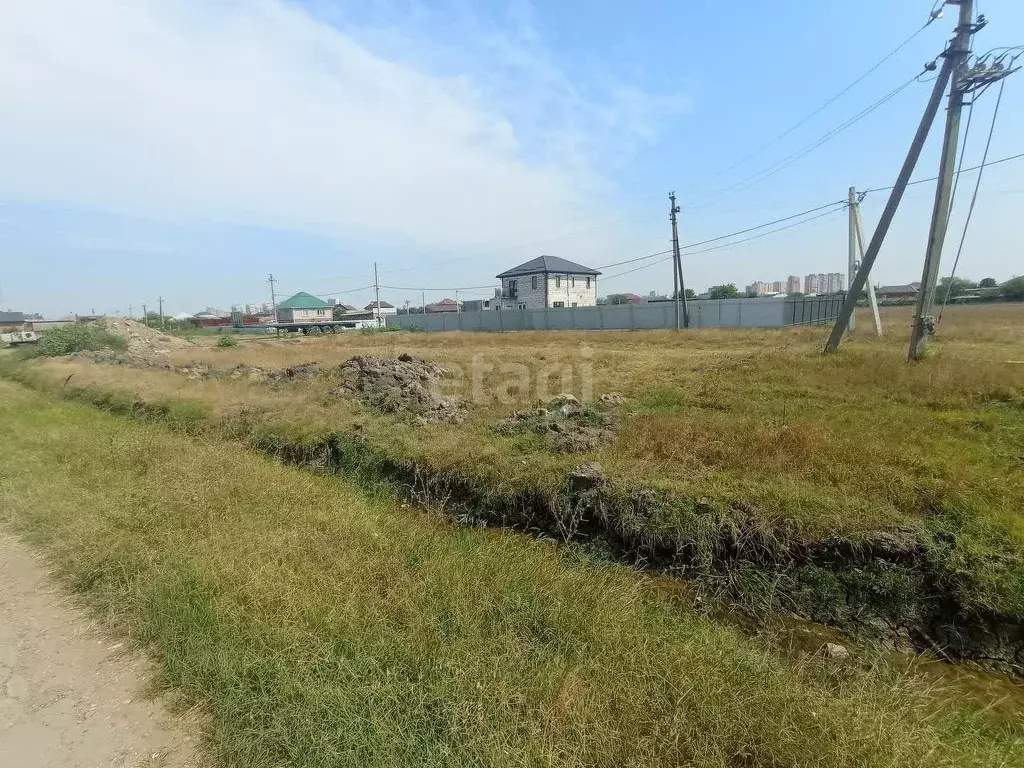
[[187, 148]]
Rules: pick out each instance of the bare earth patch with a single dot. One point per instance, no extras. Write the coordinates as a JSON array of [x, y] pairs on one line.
[[70, 696]]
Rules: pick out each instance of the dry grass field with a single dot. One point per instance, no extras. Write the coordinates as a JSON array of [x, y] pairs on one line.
[[746, 430], [320, 627]]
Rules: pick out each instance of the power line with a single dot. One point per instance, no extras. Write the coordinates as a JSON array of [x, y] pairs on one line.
[[827, 103], [724, 237], [789, 160], [442, 290], [965, 170], [837, 206], [974, 198]]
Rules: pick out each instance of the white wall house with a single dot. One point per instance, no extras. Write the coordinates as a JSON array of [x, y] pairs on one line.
[[384, 311], [303, 307], [548, 281]]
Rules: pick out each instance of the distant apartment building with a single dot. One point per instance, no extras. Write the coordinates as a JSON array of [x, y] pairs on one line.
[[830, 282], [793, 284]]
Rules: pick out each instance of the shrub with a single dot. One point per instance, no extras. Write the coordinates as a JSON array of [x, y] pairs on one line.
[[77, 338], [227, 341], [416, 328]]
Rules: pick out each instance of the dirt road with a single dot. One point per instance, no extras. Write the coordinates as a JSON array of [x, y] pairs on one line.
[[70, 696]]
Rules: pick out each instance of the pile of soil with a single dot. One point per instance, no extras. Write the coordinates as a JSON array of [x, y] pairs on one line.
[[289, 375], [143, 342], [403, 385], [568, 425]]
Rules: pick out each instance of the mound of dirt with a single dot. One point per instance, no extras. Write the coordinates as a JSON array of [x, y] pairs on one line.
[[568, 425], [143, 341], [404, 385], [289, 375]]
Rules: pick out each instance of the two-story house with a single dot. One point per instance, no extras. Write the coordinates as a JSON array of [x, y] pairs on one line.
[[548, 281], [303, 307]]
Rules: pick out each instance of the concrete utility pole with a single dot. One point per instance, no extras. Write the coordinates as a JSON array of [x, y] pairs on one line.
[[376, 288], [130, 312], [893, 203], [423, 298], [145, 315], [956, 56], [160, 299], [861, 245], [677, 261], [851, 255], [273, 302]]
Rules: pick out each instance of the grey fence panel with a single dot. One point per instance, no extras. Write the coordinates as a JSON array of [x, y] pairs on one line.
[[704, 313]]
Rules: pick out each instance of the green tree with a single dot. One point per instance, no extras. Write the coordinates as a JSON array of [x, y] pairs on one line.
[[988, 282], [727, 291], [690, 293], [1014, 288], [954, 287]]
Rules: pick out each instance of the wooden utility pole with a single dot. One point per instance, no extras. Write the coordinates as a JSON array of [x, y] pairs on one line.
[[895, 197], [956, 56], [677, 262]]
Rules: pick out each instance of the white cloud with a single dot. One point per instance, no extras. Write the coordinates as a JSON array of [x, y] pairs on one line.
[[253, 111]]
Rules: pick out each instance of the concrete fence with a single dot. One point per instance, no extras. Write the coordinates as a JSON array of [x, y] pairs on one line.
[[722, 313]]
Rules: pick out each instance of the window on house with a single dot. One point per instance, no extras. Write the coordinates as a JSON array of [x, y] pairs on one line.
[[558, 281], [321, 312], [522, 305], [588, 282], [533, 282], [574, 303], [559, 305]]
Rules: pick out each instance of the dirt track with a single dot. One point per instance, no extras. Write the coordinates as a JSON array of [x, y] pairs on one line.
[[71, 697]]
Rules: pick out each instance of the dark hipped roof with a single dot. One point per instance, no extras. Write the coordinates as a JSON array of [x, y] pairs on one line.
[[383, 305], [303, 300], [549, 264]]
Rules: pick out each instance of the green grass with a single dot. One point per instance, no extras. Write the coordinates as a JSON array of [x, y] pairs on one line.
[[320, 627], [77, 338]]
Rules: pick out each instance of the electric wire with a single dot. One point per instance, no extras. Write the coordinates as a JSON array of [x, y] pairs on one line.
[[826, 104], [974, 199], [836, 206]]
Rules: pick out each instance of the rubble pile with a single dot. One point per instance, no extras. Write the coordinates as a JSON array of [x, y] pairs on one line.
[[403, 385], [568, 425]]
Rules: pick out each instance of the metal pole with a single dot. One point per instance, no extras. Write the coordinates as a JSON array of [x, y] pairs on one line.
[[872, 299], [890, 207], [924, 323], [851, 262], [160, 299]]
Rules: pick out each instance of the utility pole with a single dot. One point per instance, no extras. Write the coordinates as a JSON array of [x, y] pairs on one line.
[[956, 56], [145, 315], [423, 298], [273, 303], [130, 312], [851, 263], [893, 203], [861, 244], [376, 288], [160, 299], [457, 310], [677, 262]]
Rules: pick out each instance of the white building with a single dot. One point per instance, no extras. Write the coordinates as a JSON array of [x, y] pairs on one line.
[[548, 281], [385, 309]]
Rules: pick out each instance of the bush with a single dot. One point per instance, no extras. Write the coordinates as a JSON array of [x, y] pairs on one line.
[[227, 341], [416, 328], [77, 338]]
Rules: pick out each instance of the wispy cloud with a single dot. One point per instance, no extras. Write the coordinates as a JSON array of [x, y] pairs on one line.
[[260, 112]]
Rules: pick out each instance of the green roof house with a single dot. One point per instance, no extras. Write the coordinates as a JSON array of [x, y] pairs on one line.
[[303, 307]]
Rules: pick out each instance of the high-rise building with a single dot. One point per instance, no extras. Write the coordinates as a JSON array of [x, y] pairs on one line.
[[778, 287], [793, 285]]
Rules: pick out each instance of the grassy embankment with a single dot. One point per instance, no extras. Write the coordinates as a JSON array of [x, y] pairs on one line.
[[755, 447], [320, 627]]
